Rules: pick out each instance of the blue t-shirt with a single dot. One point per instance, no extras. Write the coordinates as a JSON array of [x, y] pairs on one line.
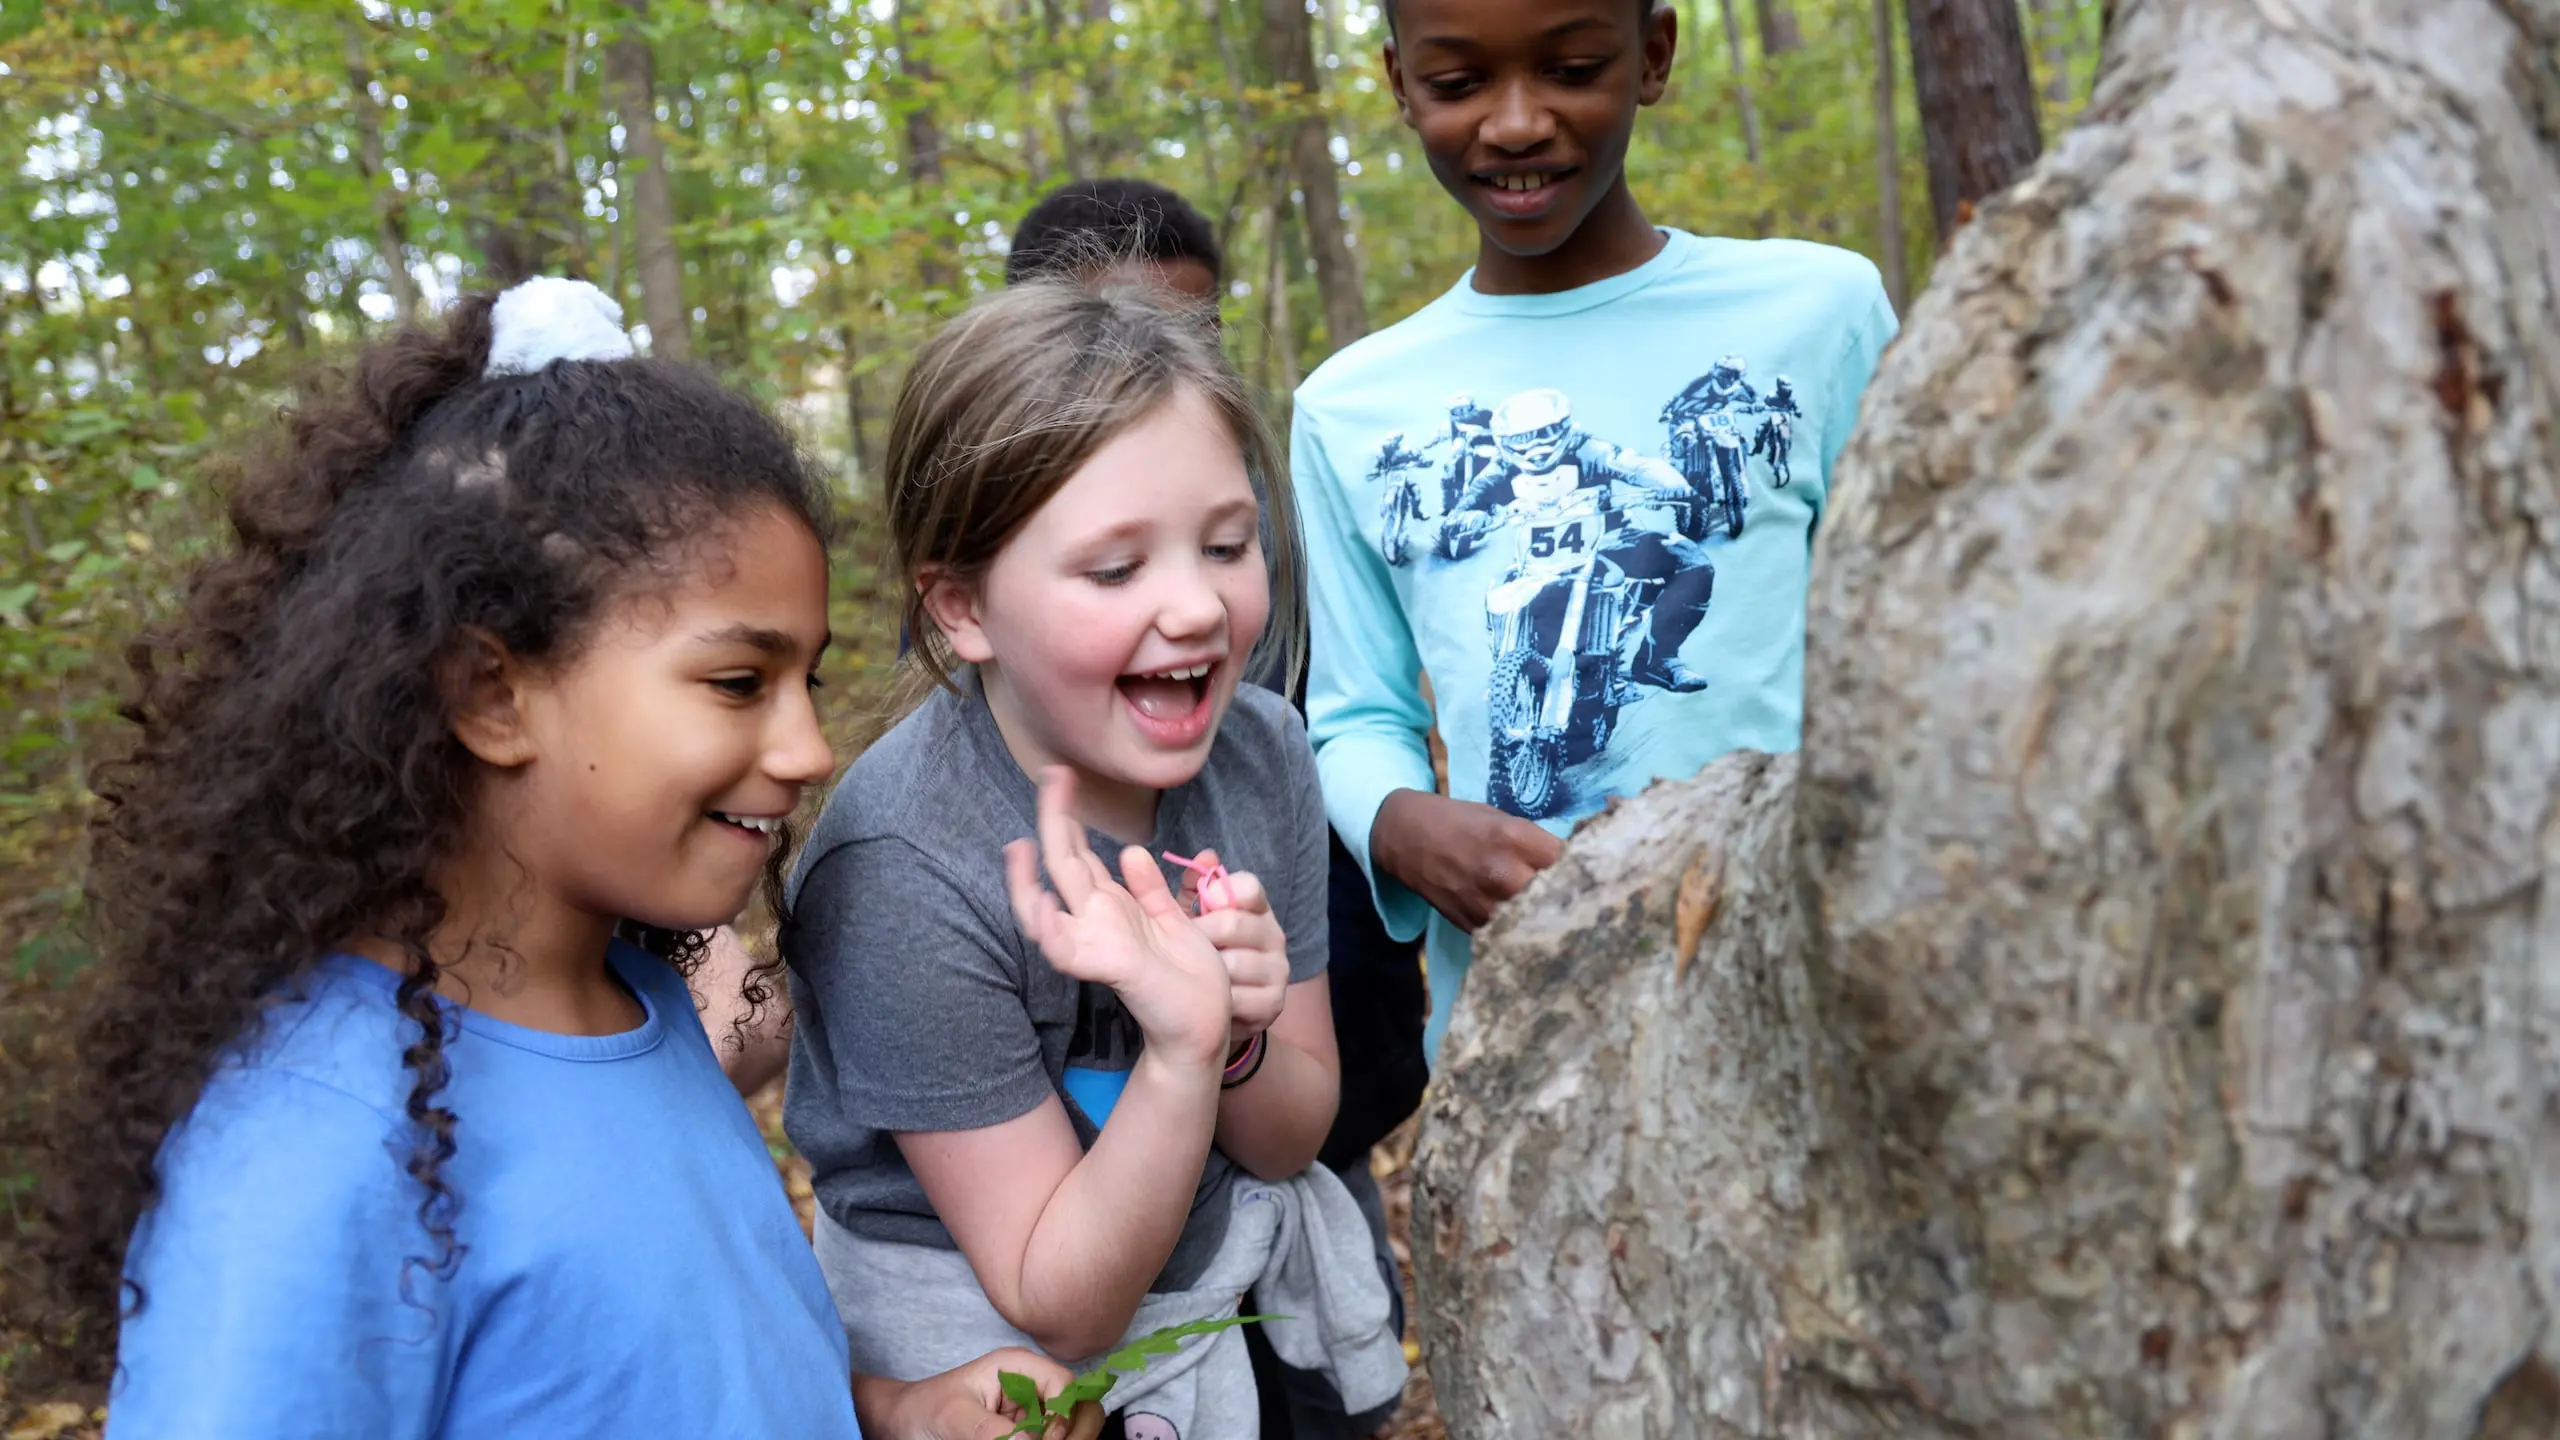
[[1484, 488], [632, 1266]]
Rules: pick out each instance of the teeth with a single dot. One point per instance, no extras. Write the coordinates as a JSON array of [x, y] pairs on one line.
[[761, 824], [1521, 182], [1193, 672]]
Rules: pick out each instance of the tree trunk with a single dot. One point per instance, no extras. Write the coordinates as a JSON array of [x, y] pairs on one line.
[[1779, 32], [2137, 1011], [1741, 83], [1894, 261], [1288, 37], [923, 136], [390, 234], [1977, 101], [631, 70]]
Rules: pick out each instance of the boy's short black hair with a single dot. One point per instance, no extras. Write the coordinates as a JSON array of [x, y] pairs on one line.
[[1113, 215], [1644, 8]]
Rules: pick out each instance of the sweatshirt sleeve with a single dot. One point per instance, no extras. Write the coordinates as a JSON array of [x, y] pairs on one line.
[[1365, 713]]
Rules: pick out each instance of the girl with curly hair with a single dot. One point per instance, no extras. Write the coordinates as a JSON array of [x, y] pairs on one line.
[[384, 1132]]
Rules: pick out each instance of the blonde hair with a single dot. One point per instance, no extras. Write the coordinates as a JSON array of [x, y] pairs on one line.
[[1011, 398]]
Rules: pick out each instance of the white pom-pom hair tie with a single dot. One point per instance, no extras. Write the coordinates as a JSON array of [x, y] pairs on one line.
[[548, 318]]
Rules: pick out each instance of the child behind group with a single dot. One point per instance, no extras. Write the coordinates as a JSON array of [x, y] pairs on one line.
[[515, 644], [1033, 1109], [1579, 489]]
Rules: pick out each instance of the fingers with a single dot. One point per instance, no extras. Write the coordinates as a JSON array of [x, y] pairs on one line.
[[1042, 1371], [1034, 908], [1146, 886], [1086, 1424], [1063, 849], [1244, 892]]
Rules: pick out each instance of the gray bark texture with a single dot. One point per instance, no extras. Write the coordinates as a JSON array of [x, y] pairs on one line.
[[2136, 1012]]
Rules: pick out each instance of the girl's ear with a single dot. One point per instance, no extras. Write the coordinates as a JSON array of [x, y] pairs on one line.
[[952, 603], [484, 693]]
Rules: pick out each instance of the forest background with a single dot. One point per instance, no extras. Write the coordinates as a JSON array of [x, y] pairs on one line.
[[205, 198]]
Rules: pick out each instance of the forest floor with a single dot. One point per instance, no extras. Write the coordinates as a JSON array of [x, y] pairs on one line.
[[38, 965]]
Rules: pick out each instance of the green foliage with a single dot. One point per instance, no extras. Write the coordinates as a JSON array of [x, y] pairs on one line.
[[1096, 1383], [209, 196]]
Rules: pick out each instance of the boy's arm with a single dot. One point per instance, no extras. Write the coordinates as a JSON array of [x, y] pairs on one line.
[[1365, 714]]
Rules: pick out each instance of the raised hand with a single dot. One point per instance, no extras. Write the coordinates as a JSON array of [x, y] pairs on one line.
[[1131, 934], [1235, 913]]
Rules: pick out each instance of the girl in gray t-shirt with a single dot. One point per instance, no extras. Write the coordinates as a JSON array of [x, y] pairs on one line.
[[1058, 1081]]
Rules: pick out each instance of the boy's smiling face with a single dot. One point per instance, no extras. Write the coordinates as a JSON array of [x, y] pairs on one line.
[[1525, 107]]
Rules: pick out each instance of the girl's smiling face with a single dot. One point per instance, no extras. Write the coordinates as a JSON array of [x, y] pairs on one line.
[[1112, 627], [648, 777]]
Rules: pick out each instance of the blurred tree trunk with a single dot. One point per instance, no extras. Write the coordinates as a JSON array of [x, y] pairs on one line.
[[1779, 32], [1741, 83], [1289, 42], [390, 236], [2136, 1009], [1977, 101], [923, 136], [1894, 261], [631, 70]]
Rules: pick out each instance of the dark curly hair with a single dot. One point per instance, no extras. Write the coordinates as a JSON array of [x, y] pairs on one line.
[[295, 782]]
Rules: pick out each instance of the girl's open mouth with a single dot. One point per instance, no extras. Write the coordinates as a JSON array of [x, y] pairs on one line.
[[762, 827], [1171, 707]]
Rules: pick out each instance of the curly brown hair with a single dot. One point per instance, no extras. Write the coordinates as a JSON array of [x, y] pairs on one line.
[[294, 781]]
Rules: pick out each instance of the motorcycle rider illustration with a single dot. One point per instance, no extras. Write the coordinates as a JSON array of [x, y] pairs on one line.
[[1468, 442], [1705, 421], [1777, 433], [1585, 585], [1544, 459]]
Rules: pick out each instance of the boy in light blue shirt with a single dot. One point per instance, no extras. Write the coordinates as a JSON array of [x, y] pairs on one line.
[[1579, 489]]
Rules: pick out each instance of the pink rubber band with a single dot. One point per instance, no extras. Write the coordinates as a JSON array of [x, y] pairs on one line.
[[1221, 898]]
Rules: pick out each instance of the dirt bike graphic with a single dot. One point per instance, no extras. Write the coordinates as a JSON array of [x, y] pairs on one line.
[[1555, 703], [1708, 448], [1402, 510]]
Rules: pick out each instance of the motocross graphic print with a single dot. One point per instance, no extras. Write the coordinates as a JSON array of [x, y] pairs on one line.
[[1604, 555]]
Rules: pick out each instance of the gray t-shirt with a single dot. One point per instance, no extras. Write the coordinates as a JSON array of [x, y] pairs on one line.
[[920, 1004]]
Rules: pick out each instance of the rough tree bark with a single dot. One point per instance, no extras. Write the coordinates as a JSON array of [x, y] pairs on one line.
[[1977, 101], [1289, 41], [632, 72], [2137, 1011]]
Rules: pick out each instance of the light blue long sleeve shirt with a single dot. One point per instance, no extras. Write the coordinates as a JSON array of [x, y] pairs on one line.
[[1482, 487]]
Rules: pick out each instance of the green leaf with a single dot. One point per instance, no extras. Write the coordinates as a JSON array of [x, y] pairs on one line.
[[63, 552], [14, 602], [145, 477], [1022, 1392]]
